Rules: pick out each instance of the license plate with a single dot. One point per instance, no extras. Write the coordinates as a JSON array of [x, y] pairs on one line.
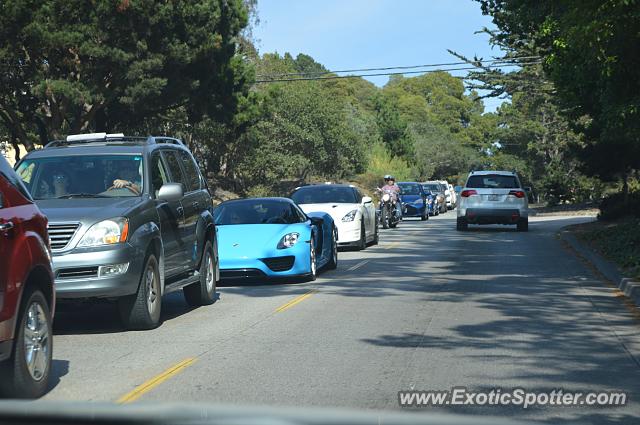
[[494, 197]]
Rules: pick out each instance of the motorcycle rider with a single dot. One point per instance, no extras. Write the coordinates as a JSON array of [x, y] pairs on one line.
[[392, 188]]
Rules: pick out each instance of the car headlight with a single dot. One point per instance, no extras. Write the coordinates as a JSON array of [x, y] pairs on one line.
[[418, 201], [350, 216], [106, 232], [289, 240]]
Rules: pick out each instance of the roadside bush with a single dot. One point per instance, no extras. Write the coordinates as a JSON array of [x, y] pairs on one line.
[[613, 207]]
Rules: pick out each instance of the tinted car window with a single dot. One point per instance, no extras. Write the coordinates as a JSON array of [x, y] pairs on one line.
[[431, 187], [324, 195], [158, 173], [493, 181], [192, 176], [173, 163], [81, 175], [410, 189], [256, 212]]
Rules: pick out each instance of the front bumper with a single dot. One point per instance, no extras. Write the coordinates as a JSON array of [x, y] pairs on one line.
[[76, 272], [492, 215], [349, 232], [413, 210], [273, 265]]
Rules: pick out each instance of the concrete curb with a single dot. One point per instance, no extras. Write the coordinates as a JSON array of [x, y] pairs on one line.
[[627, 286]]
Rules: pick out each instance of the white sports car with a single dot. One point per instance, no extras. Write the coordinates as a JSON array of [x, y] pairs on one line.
[[353, 214]]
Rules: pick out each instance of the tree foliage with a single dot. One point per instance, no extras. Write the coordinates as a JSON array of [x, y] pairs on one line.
[[71, 66], [590, 51]]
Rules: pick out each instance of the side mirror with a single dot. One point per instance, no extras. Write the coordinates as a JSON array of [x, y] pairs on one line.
[[171, 192], [318, 221], [366, 200]]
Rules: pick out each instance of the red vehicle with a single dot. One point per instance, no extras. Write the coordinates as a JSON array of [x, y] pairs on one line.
[[27, 296]]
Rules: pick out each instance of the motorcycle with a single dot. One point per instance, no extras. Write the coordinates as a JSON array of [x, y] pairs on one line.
[[387, 210]]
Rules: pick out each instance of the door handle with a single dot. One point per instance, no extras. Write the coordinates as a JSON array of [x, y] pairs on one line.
[[6, 226], [196, 204], [180, 210]]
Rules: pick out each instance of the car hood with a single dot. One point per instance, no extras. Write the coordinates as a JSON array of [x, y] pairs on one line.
[[86, 210], [410, 198], [335, 210], [255, 240]]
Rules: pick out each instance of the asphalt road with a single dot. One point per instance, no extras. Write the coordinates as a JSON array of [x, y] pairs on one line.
[[427, 309]]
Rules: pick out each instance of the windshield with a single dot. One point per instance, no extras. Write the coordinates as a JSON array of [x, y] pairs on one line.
[[409, 189], [257, 212], [83, 176], [324, 195], [493, 181], [432, 187]]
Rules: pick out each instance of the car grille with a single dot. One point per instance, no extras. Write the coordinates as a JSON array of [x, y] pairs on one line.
[[60, 234], [279, 264], [240, 273], [77, 273]]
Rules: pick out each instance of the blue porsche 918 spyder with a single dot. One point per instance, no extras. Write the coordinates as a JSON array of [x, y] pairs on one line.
[[273, 237]]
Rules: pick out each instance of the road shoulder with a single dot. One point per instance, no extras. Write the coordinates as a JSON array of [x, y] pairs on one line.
[[610, 271]]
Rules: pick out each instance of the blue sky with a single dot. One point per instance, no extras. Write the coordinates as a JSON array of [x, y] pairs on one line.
[[353, 34]]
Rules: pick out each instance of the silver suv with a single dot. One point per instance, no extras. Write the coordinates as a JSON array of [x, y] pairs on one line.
[[493, 197]]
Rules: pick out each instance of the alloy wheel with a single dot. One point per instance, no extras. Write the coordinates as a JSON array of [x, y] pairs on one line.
[[313, 258], [36, 341], [210, 278], [152, 290]]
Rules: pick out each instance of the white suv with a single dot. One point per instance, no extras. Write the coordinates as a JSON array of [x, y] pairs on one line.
[[493, 197]]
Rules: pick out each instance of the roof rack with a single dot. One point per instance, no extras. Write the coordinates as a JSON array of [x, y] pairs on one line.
[[75, 139]]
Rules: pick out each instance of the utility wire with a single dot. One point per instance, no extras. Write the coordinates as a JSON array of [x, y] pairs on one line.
[[425, 71], [491, 61]]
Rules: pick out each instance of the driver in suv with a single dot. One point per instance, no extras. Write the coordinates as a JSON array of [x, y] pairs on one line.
[[133, 222]]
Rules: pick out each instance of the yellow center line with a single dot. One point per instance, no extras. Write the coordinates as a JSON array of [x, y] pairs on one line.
[[295, 301], [142, 389], [392, 245]]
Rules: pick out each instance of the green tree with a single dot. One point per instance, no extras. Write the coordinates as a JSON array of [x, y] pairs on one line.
[[590, 51], [393, 128], [304, 129], [72, 66]]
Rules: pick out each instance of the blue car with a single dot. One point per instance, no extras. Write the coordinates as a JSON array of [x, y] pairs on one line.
[[414, 199], [273, 238]]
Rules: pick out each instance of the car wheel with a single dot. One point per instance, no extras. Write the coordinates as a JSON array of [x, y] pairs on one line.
[[26, 373], [362, 243], [376, 236], [313, 267], [384, 217], [203, 292], [425, 215], [333, 263], [523, 225], [461, 224], [142, 310]]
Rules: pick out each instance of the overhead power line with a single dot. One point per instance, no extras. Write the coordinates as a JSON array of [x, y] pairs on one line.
[[388, 68], [424, 71]]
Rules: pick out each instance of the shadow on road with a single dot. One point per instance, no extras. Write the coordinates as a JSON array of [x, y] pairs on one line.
[[59, 368], [525, 304]]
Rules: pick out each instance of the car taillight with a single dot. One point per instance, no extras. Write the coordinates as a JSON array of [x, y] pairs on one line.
[[517, 193], [467, 193]]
